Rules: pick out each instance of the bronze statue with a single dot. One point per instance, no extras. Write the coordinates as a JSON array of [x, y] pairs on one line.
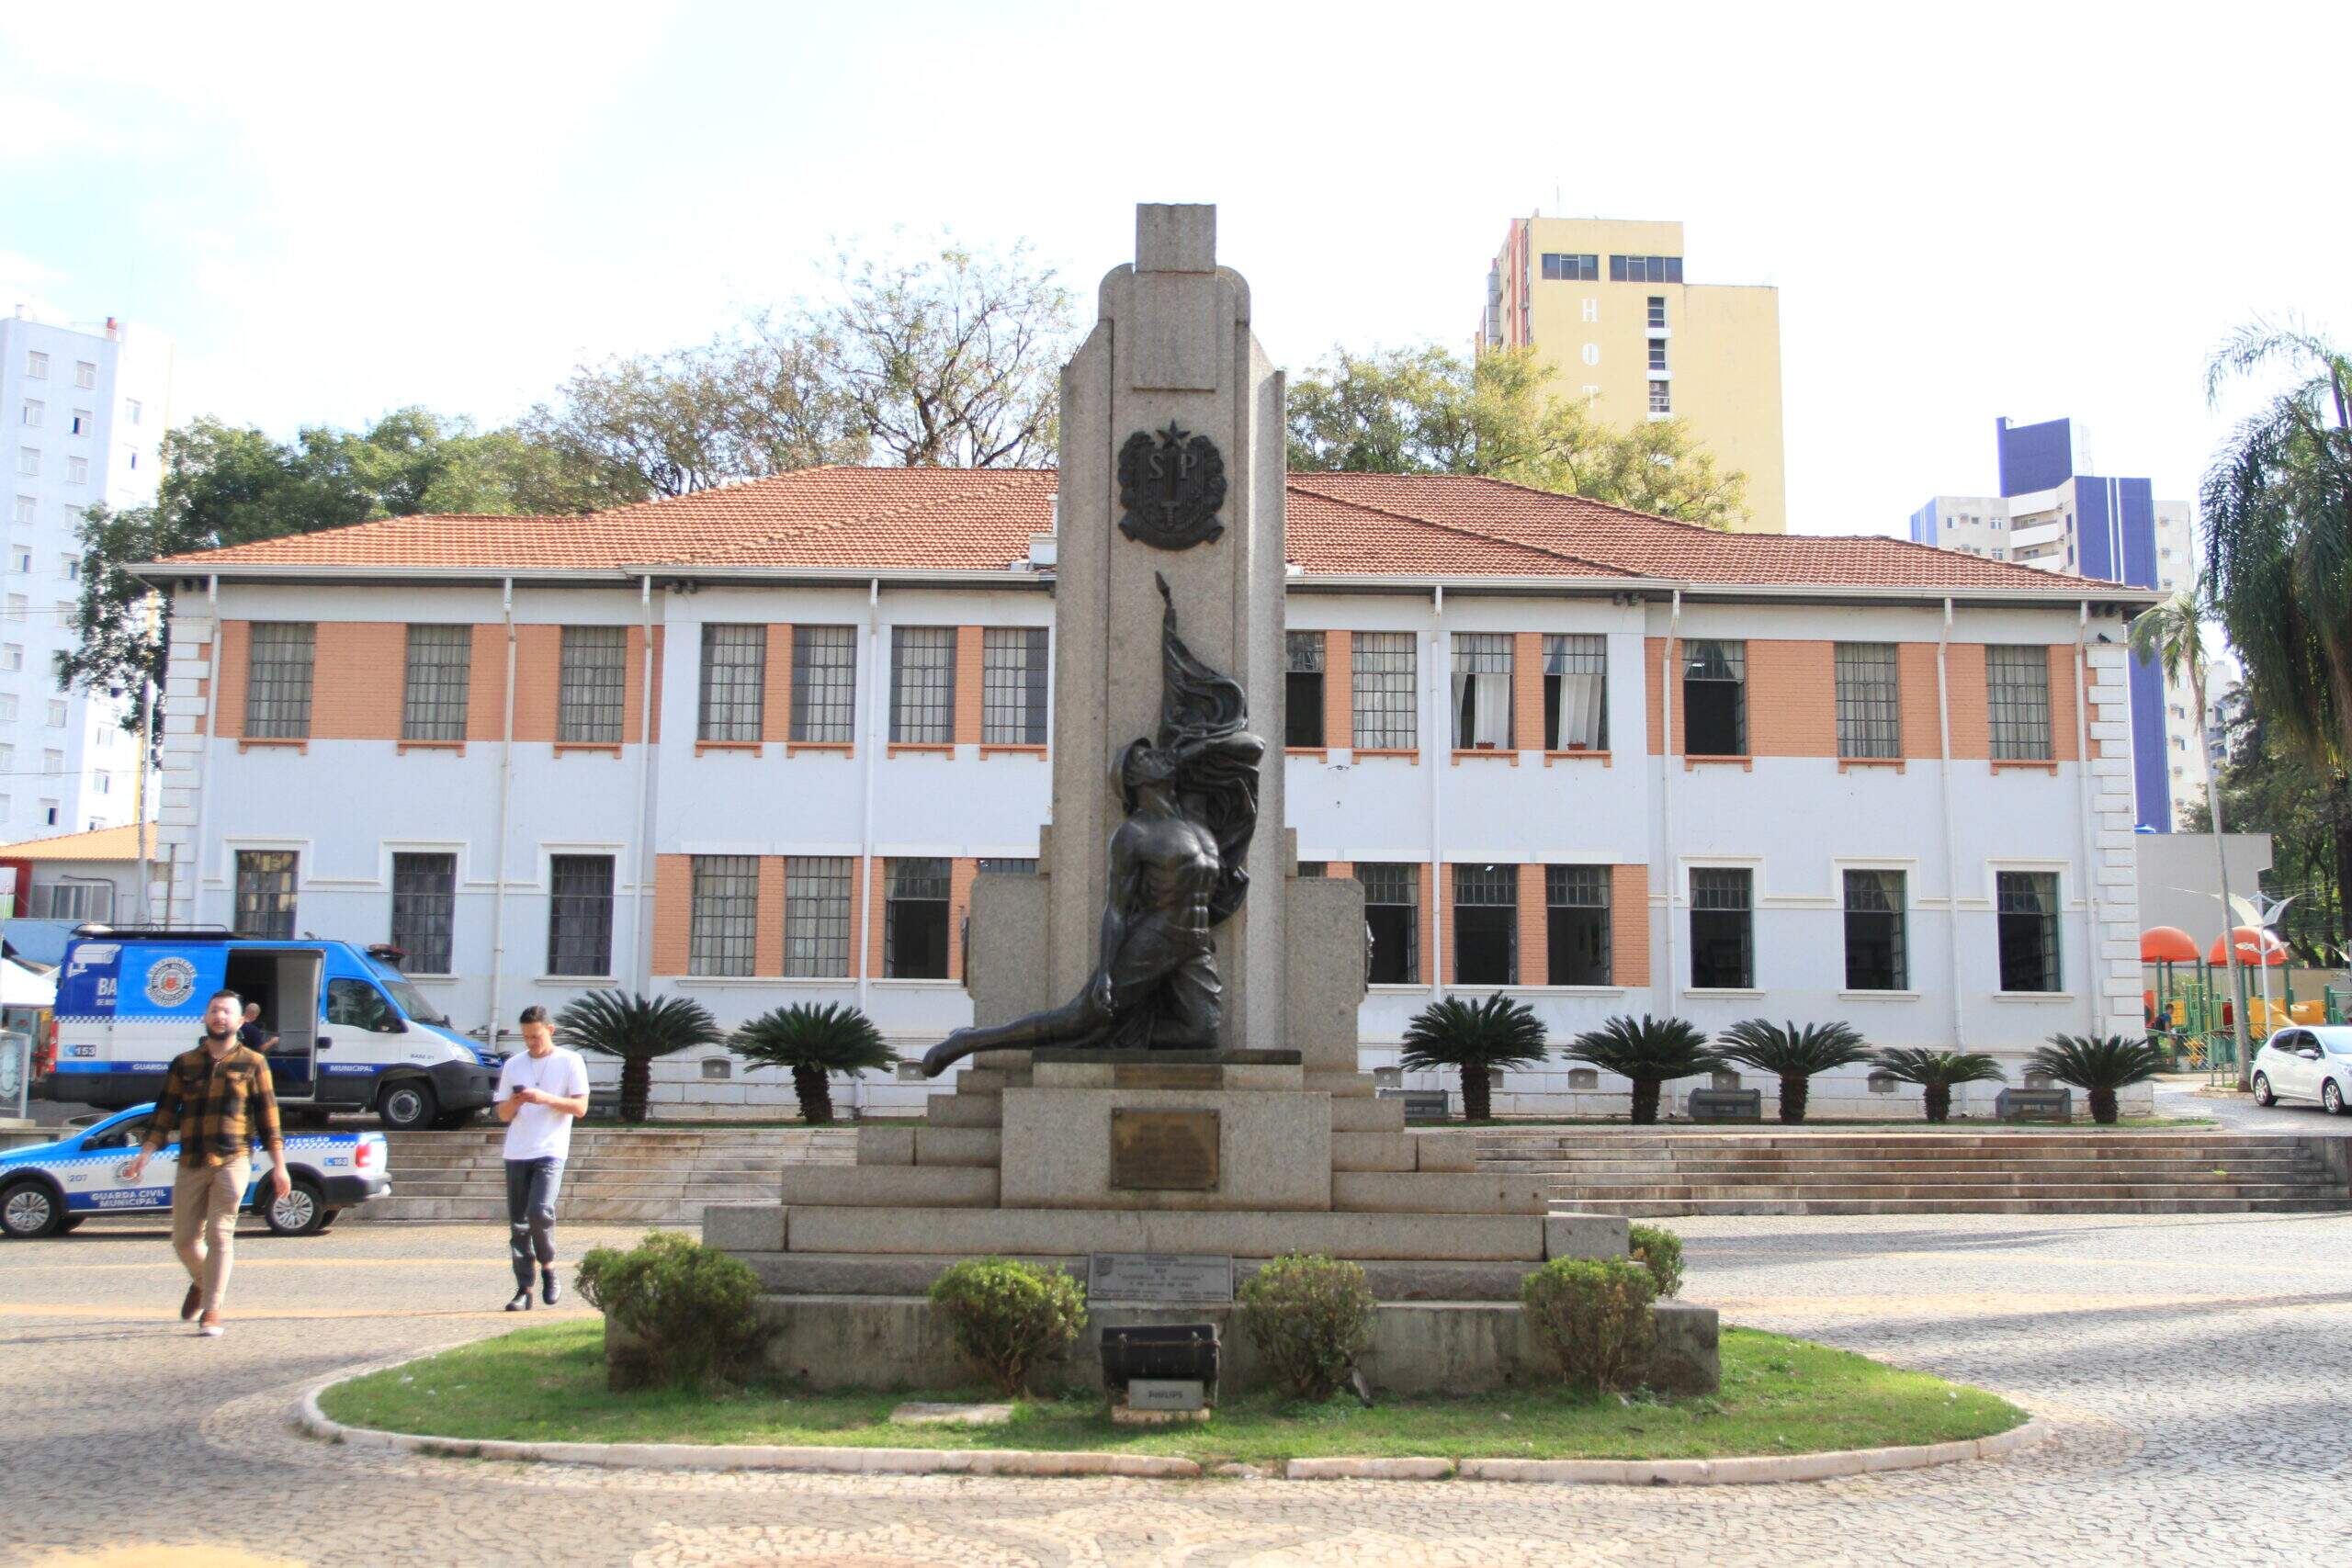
[[1176, 872]]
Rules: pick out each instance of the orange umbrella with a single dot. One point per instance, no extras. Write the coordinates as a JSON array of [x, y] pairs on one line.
[[2167, 944], [2257, 947]]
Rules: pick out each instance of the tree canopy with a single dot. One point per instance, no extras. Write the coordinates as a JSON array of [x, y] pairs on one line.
[[1427, 410]]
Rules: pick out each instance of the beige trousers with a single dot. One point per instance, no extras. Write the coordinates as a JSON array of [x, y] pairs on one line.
[[204, 1224]]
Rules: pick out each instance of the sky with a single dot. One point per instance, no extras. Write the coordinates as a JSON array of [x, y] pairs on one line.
[[2030, 210]]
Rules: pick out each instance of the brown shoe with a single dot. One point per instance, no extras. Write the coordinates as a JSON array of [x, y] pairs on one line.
[[191, 1303]]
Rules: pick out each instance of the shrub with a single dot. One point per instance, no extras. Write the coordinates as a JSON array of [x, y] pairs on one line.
[[1006, 1317], [1473, 1038], [1310, 1318], [1793, 1055], [1593, 1315], [687, 1309], [1660, 1252], [2100, 1063]]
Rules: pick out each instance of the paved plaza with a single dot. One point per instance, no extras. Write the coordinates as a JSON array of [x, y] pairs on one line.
[[2192, 1370]]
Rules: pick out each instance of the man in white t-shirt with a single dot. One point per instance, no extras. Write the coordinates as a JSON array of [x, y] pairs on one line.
[[538, 1094]]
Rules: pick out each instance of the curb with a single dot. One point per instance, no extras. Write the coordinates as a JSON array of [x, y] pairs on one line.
[[314, 1422]]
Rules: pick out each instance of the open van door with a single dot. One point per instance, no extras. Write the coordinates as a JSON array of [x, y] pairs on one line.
[[294, 1060]]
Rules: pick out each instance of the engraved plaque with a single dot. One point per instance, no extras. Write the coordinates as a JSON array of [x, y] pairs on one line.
[[1170, 1075], [1158, 1277], [1163, 1150]]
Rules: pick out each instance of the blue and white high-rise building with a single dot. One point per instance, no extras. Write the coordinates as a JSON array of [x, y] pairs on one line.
[[2052, 513]]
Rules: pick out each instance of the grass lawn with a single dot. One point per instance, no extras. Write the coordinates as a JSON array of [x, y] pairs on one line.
[[1780, 1396]]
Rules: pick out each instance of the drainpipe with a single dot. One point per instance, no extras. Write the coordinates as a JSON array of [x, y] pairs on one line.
[[204, 761], [2092, 912], [1666, 785], [644, 935], [147, 694], [877, 712], [1951, 853], [1440, 760], [498, 850]]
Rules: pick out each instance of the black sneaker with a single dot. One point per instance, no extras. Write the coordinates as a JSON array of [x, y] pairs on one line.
[[548, 1287], [522, 1302]]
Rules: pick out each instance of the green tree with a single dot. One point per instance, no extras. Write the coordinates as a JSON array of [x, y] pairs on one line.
[[1652, 1052], [812, 1041], [1475, 1038], [1793, 1055], [1426, 410], [2306, 808], [637, 1029], [1938, 1073]]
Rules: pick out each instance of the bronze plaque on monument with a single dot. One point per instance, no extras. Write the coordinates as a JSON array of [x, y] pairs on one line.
[[1163, 1150]]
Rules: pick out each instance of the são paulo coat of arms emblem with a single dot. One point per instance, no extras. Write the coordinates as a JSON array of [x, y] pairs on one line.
[[1172, 483], [170, 982]]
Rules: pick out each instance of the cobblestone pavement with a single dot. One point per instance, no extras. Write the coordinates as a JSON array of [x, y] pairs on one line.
[[2192, 1370]]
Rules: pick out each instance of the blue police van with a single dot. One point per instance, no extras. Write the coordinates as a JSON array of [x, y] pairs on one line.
[[353, 1032]]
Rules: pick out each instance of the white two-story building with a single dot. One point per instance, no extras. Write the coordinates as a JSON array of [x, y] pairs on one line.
[[754, 745]]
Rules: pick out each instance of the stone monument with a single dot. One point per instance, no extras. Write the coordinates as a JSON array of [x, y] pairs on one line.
[[1161, 1083]]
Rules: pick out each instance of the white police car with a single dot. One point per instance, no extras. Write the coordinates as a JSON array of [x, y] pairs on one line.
[[52, 1188]]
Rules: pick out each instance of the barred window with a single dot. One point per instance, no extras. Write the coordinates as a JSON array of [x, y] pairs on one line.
[[1576, 693], [277, 680], [922, 685], [1392, 913], [1387, 717], [589, 685], [1576, 912], [1302, 688], [266, 894], [1314, 869], [816, 916], [734, 680], [1723, 936], [2027, 913], [1013, 685], [424, 901], [721, 931], [1010, 865], [580, 915], [824, 684], [1869, 705], [440, 674], [914, 921], [1876, 959], [1715, 699], [1482, 698], [1485, 925], [2018, 692]]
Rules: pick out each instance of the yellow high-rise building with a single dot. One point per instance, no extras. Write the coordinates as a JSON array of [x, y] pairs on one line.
[[1603, 302]]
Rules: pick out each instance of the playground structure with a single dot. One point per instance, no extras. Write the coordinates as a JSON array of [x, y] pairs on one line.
[[2199, 1017]]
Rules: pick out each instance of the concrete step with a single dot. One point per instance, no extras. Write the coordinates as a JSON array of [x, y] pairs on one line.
[[1578, 1197], [1654, 1209], [976, 1231]]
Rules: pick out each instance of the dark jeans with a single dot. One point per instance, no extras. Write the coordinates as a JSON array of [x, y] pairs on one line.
[[530, 1214]]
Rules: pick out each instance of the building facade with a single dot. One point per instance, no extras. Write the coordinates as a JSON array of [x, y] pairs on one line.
[[1604, 303], [85, 409], [755, 746], [2052, 517]]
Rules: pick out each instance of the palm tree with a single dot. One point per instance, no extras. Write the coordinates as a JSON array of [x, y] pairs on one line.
[[2100, 1063], [1937, 1072], [813, 1041], [635, 1028], [1793, 1055], [2172, 636], [1651, 1052], [1476, 1037]]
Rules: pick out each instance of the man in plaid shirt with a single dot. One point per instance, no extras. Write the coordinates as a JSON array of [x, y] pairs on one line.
[[218, 1100]]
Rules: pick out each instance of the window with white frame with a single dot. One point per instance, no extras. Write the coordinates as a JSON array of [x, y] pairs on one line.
[[2016, 685], [1013, 685], [1877, 957], [29, 461], [77, 470], [12, 656], [1485, 925], [1302, 688], [101, 783], [265, 881], [1714, 698], [721, 935], [580, 915], [1576, 693], [1481, 694], [57, 713], [1386, 708], [20, 559], [824, 684], [1870, 706], [816, 917], [72, 900], [1392, 914], [131, 410], [424, 904], [1576, 914], [7, 759], [36, 366], [1723, 934], [277, 680], [439, 680], [53, 762], [36, 413], [85, 375], [592, 685], [49, 813], [2028, 929], [1661, 392], [26, 510], [914, 920], [922, 685], [70, 568], [17, 607], [8, 712], [82, 422], [734, 680]]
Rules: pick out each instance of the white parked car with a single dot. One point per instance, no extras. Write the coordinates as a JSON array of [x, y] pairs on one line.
[[2307, 1062]]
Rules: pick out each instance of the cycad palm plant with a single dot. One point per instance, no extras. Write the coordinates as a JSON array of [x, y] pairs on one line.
[[813, 1041], [1649, 1051], [2100, 1063], [1793, 1055], [1938, 1072], [1475, 1038], [637, 1029]]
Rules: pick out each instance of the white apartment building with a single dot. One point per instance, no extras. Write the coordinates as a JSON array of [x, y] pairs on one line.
[[754, 746], [83, 409]]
